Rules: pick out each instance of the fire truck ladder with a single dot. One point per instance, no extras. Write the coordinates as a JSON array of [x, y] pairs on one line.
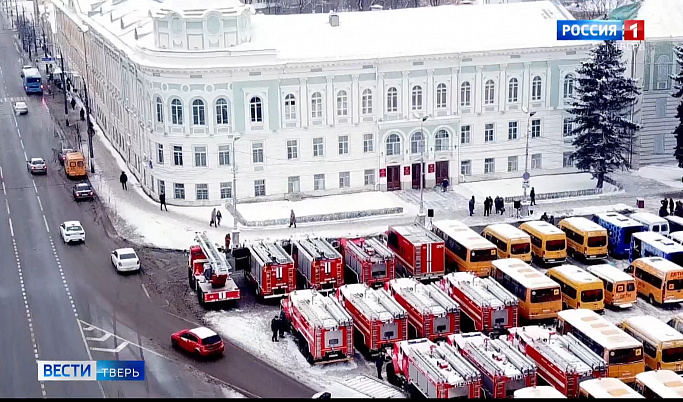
[[361, 305], [459, 364], [378, 247], [521, 362], [441, 298], [554, 357], [500, 292], [388, 302], [418, 261], [423, 360], [584, 353], [486, 363], [472, 294], [217, 260]]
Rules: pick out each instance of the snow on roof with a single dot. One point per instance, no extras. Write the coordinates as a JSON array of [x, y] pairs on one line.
[[543, 391], [508, 231], [501, 358], [318, 248], [674, 219], [647, 218], [318, 309], [583, 224], [609, 272], [416, 234], [664, 383], [381, 304], [618, 219], [608, 387], [574, 274], [599, 329], [125, 250], [663, 19], [542, 227], [72, 223], [428, 351], [270, 253], [525, 274], [479, 287], [370, 248], [462, 234], [653, 328], [429, 298], [660, 264], [373, 388], [659, 241], [203, 332]]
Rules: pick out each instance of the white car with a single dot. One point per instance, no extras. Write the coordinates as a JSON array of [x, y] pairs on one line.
[[72, 231], [21, 108], [125, 260]]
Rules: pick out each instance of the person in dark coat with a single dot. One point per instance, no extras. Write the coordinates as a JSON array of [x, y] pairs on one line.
[[551, 220], [124, 180], [213, 218], [679, 209], [671, 206], [274, 326], [379, 363], [292, 219], [471, 206], [487, 206], [283, 323], [532, 195], [544, 217], [82, 114], [444, 185], [162, 202], [219, 216], [73, 103]]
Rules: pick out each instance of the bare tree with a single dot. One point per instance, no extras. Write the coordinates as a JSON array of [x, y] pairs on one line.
[[434, 3]]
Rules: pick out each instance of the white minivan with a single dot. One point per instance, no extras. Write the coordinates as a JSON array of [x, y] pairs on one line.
[[652, 222]]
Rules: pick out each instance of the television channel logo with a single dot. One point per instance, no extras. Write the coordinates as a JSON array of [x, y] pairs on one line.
[[100, 370], [600, 30]]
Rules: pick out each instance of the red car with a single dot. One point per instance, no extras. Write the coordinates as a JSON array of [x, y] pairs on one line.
[[201, 341]]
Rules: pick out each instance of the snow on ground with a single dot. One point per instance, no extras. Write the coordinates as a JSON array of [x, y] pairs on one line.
[[666, 174], [231, 393], [601, 209], [542, 184]]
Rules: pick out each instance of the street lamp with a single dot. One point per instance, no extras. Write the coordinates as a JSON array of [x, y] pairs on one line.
[[526, 175], [235, 232], [421, 215]]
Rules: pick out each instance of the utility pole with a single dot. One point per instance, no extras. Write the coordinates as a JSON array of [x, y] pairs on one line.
[[235, 236], [87, 105], [421, 215], [66, 103], [526, 175]]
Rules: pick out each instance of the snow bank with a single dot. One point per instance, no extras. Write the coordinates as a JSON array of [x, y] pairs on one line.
[[669, 175], [541, 184]]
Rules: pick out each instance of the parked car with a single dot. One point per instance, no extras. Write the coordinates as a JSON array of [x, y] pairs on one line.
[[72, 231], [62, 154], [21, 108], [36, 165], [83, 191], [200, 341], [125, 260]]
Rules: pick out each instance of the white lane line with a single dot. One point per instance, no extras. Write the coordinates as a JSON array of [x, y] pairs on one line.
[[7, 205], [34, 186], [46, 227], [11, 231], [1, 176], [25, 156], [22, 143], [19, 133], [40, 204], [4, 190], [145, 290], [15, 121], [100, 339]]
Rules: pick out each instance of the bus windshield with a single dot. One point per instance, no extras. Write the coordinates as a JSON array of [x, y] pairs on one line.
[[597, 241], [545, 295], [591, 296], [32, 80], [482, 255], [554, 245], [522, 248], [672, 355], [622, 356]]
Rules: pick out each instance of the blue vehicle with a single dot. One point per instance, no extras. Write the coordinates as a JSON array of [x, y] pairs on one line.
[[675, 223], [33, 81], [620, 228], [651, 244]]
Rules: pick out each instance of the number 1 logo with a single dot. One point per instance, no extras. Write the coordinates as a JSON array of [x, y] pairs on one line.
[[634, 30]]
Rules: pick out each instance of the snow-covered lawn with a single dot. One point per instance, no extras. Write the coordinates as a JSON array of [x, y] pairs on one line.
[[541, 184], [666, 174]]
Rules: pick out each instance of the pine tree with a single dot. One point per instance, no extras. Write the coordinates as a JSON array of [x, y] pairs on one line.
[[678, 93], [602, 128]]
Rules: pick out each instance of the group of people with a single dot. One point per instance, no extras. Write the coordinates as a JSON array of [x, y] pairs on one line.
[[278, 325], [670, 208], [216, 217], [550, 219], [498, 203]]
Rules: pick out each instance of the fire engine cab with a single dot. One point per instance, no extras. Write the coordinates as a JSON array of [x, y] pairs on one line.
[[319, 264], [209, 272], [271, 270], [369, 260], [419, 252], [432, 313]]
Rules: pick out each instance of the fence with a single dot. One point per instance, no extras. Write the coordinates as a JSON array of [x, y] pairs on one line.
[[316, 218]]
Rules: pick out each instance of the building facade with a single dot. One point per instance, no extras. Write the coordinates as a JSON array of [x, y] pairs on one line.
[[190, 98]]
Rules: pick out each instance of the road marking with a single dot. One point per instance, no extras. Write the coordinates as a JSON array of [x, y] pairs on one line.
[[117, 350], [34, 186], [7, 205], [22, 143], [4, 190], [145, 289], [93, 327], [19, 133], [25, 156], [15, 121], [11, 231], [40, 204], [100, 339], [1, 176], [46, 227]]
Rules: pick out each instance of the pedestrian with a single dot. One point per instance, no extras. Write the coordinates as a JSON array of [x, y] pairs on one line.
[[532, 195], [499, 205], [213, 218], [283, 323], [679, 209], [219, 216], [73, 103], [551, 220], [487, 206], [544, 217], [502, 206], [162, 202], [671, 206], [379, 363], [292, 219], [82, 114], [227, 241], [274, 324], [444, 185], [124, 180], [472, 206]]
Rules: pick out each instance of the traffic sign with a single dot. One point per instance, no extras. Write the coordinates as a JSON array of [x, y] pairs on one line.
[[526, 176], [47, 59]]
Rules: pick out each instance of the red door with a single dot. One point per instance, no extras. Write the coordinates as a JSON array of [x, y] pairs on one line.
[[441, 171], [417, 173], [393, 178]]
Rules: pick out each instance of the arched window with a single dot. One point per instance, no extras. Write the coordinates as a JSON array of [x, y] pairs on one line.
[[536, 89], [256, 109], [489, 93], [662, 72], [176, 111], [393, 145], [366, 102], [442, 141], [316, 105], [290, 107], [417, 97], [342, 104], [392, 100], [568, 86], [222, 111], [513, 90], [465, 94], [441, 96], [417, 144], [198, 113], [160, 110]]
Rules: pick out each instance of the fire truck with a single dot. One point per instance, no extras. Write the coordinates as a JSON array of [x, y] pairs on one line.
[[562, 360], [378, 319], [271, 270], [487, 303], [431, 312], [319, 263], [425, 369], [419, 252], [369, 259], [324, 330], [504, 368], [209, 272]]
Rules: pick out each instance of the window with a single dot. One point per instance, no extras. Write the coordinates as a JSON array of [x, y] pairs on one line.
[[177, 155], [224, 155], [662, 74], [489, 132], [512, 163], [417, 98], [160, 154], [567, 127], [318, 146], [293, 184], [292, 149], [441, 96], [226, 190], [319, 182], [366, 102], [489, 165], [660, 107], [567, 159], [466, 168], [344, 179], [489, 93], [198, 113], [417, 143], [369, 177], [368, 143], [257, 152], [536, 161], [568, 86], [343, 142], [659, 143], [256, 110], [259, 188], [179, 191], [160, 110], [392, 100], [513, 90], [222, 112], [536, 88], [393, 145], [441, 141], [290, 107], [512, 130], [465, 94], [316, 105], [202, 191], [342, 104], [465, 134], [176, 111], [200, 156], [535, 128]]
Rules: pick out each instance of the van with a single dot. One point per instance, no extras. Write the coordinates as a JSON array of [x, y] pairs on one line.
[[510, 241], [662, 345], [675, 223], [658, 280], [585, 238], [676, 236], [74, 164], [580, 289], [652, 222], [548, 243], [676, 322]]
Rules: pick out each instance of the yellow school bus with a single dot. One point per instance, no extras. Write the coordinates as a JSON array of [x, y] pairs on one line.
[[602, 388], [661, 384], [585, 238], [579, 288], [510, 241], [658, 280], [539, 392], [620, 287], [662, 345], [548, 243], [465, 248]]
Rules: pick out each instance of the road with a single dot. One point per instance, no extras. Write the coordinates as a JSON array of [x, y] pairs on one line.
[[66, 302]]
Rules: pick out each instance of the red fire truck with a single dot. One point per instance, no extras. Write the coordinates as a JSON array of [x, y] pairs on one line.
[[371, 261], [209, 273], [425, 369], [271, 270], [562, 360], [324, 330], [319, 263], [484, 301], [378, 319], [504, 368], [432, 313], [419, 252]]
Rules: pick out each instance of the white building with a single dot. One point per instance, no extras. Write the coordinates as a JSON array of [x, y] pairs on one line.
[[318, 104]]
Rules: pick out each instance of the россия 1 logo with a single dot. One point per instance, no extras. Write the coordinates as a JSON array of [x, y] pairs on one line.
[[600, 30]]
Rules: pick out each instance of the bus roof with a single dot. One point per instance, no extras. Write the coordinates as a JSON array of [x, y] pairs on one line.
[[618, 220], [609, 272], [32, 72], [653, 328], [416, 233], [543, 227], [583, 224], [676, 236], [543, 391], [665, 383], [574, 273], [525, 274], [658, 241], [647, 218], [674, 219], [462, 233], [508, 231], [660, 264], [609, 387], [599, 329]]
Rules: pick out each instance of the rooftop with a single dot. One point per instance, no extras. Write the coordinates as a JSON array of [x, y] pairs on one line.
[[662, 18], [609, 387], [524, 273], [598, 328], [543, 226], [416, 234], [480, 287], [666, 383], [653, 328], [319, 248], [609, 272], [203, 332], [324, 309], [583, 224], [509, 231], [618, 219], [434, 356], [575, 273], [270, 253], [378, 301], [542, 391], [659, 241], [647, 217]]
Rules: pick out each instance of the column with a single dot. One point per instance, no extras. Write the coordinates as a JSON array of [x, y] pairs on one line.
[[355, 99], [502, 87], [378, 97], [405, 98], [329, 109], [478, 95], [548, 84], [303, 102], [455, 91], [526, 85], [430, 93]]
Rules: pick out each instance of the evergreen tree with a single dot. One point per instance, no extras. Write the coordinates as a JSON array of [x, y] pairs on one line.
[[602, 128], [678, 93]]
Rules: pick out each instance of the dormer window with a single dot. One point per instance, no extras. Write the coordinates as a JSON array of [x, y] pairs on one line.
[[213, 25]]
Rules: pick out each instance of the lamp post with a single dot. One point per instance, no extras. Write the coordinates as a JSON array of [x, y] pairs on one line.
[[526, 175], [421, 215], [87, 105], [235, 236]]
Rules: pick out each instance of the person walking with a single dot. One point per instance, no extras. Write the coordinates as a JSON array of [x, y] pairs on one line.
[[124, 180], [283, 323], [444, 185], [219, 216], [532, 195], [487, 206], [292, 219], [162, 202], [471, 205], [274, 324], [379, 363], [213, 218], [671, 206], [551, 220]]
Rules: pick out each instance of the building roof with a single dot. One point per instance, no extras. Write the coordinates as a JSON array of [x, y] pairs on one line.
[[575, 274], [543, 227], [609, 387], [653, 328], [662, 18], [509, 231], [665, 383], [525, 274], [609, 272]]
